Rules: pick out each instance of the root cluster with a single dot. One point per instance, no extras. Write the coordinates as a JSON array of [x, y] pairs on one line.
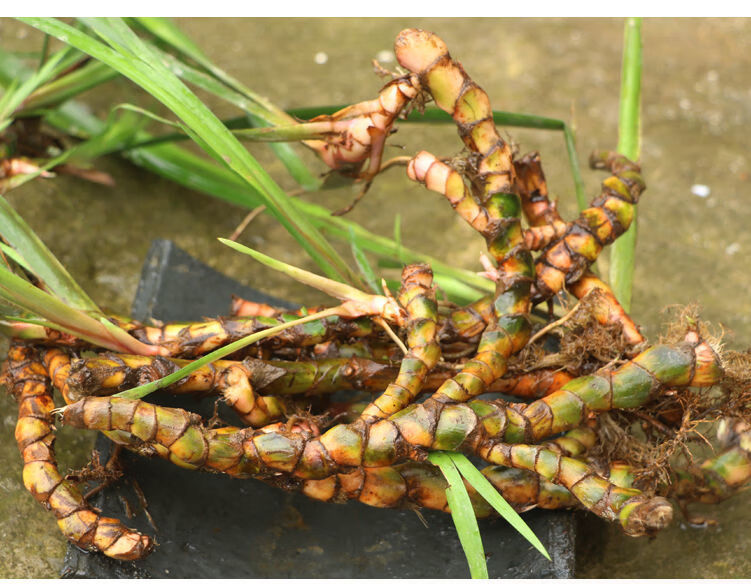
[[338, 409]]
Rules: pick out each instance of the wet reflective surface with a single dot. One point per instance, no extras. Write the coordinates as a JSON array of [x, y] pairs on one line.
[[696, 114]]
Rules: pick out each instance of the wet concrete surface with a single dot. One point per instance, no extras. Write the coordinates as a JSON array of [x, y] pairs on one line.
[[696, 112]]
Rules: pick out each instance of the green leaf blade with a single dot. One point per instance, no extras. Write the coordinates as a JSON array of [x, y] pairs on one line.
[[623, 251], [491, 495], [463, 514], [363, 264], [21, 293]]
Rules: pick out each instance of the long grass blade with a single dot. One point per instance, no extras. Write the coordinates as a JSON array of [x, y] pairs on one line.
[[366, 270], [9, 92], [629, 135], [11, 253], [398, 235], [258, 113], [288, 133], [475, 478], [22, 330], [456, 290], [210, 84], [120, 129], [433, 115], [26, 296], [573, 159], [463, 514]]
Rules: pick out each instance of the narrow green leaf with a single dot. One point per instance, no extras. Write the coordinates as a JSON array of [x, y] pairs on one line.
[[398, 235], [491, 495], [463, 514], [117, 132], [288, 133], [15, 256], [362, 262], [148, 114], [386, 247], [456, 290], [6, 101], [21, 293], [45, 50], [35, 328], [629, 135], [433, 115], [22, 330], [167, 31], [291, 161], [251, 128], [573, 162], [211, 85]]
